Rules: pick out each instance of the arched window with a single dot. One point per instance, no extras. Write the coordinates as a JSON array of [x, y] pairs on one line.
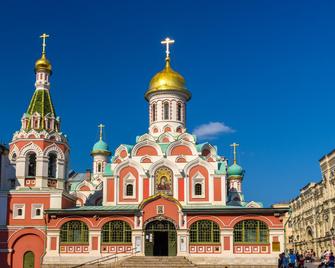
[[251, 231], [14, 159], [130, 190], [31, 165], [99, 167], [116, 232], [179, 112], [166, 111], [204, 231], [153, 107], [198, 189], [73, 232], [52, 166]]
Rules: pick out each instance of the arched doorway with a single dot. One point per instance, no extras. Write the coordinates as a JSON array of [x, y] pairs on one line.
[[160, 238], [28, 259]]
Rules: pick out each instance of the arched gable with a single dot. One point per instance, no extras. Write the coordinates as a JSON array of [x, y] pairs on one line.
[[31, 147], [146, 148], [198, 162], [122, 151], [22, 232], [167, 163], [146, 159], [56, 149], [181, 147], [13, 150], [187, 137], [146, 137], [166, 138], [66, 219], [131, 163]]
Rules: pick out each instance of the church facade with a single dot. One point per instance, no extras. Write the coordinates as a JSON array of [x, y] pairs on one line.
[[164, 195]]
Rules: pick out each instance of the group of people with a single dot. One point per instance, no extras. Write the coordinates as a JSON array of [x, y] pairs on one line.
[[327, 259], [296, 260]]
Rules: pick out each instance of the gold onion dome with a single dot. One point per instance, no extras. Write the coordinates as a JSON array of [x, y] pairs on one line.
[[43, 64], [168, 80]]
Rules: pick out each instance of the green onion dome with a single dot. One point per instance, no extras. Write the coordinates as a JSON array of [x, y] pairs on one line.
[[235, 170], [100, 147]]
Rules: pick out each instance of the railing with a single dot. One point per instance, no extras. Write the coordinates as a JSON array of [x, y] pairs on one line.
[[107, 258]]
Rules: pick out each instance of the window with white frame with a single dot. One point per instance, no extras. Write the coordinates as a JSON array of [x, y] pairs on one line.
[[198, 186], [18, 211], [37, 211], [129, 189]]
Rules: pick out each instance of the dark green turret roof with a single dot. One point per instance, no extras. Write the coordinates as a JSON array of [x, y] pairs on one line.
[[41, 103]]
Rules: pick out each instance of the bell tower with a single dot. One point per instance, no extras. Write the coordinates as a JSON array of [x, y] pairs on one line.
[[167, 96], [39, 150]]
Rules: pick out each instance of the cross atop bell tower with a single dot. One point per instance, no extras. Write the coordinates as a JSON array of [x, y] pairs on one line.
[[167, 43]]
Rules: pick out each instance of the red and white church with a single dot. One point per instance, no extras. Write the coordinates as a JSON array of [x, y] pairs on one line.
[[164, 195]]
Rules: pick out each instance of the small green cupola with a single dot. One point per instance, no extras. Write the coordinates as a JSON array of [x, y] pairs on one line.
[[100, 147], [235, 170]]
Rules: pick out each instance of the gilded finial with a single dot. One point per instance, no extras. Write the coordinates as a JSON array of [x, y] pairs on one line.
[[235, 145], [101, 126], [167, 43], [43, 64], [44, 36]]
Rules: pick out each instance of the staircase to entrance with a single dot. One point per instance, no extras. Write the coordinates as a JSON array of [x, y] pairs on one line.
[[159, 261]]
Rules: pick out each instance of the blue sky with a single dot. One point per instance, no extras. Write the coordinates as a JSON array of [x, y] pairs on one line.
[[262, 68]]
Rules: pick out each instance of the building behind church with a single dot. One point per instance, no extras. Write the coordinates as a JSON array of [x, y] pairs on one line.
[[312, 219], [164, 195]]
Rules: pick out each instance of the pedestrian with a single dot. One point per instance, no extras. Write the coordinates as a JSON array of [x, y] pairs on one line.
[[331, 260]]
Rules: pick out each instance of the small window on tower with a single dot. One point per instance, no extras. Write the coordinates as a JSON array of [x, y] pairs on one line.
[[19, 212], [36, 211], [153, 112], [179, 112], [99, 167], [166, 111], [31, 165]]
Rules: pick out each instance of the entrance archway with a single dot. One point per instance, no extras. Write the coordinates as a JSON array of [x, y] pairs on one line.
[[28, 259], [160, 238]]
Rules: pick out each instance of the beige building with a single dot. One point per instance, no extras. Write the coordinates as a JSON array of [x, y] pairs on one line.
[[312, 219]]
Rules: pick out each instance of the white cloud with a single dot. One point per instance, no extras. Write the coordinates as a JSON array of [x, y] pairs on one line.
[[212, 130]]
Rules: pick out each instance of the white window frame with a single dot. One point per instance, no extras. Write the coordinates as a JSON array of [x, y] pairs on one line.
[[129, 179], [198, 178], [34, 207], [16, 208]]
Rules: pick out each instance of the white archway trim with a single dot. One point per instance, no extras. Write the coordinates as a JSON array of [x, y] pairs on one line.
[[120, 149], [181, 142], [31, 147], [167, 163], [190, 137], [54, 148], [166, 135], [130, 163], [199, 162], [146, 137]]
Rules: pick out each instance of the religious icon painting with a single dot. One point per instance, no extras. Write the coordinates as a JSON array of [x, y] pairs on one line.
[[163, 181]]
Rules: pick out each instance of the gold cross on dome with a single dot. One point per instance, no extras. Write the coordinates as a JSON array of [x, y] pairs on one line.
[[167, 42], [101, 126], [235, 145], [44, 36]]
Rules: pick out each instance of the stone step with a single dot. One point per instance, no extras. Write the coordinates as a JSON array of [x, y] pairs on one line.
[[163, 262]]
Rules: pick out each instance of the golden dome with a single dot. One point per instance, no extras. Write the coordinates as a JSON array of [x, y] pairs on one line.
[[168, 80], [43, 64]]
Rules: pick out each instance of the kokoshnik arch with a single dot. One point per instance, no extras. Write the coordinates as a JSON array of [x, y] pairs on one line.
[[164, 195]]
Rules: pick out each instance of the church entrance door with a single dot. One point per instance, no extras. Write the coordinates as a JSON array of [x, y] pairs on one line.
[[160, 239], [28, 260]]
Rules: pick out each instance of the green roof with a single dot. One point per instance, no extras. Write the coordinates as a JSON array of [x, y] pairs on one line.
[[221, 168], [164, 146], [100, 146], [108, 170], [235, 170], [42, 104]]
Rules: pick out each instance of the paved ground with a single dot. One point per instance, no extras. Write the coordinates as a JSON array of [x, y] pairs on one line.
[[311, 265]]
